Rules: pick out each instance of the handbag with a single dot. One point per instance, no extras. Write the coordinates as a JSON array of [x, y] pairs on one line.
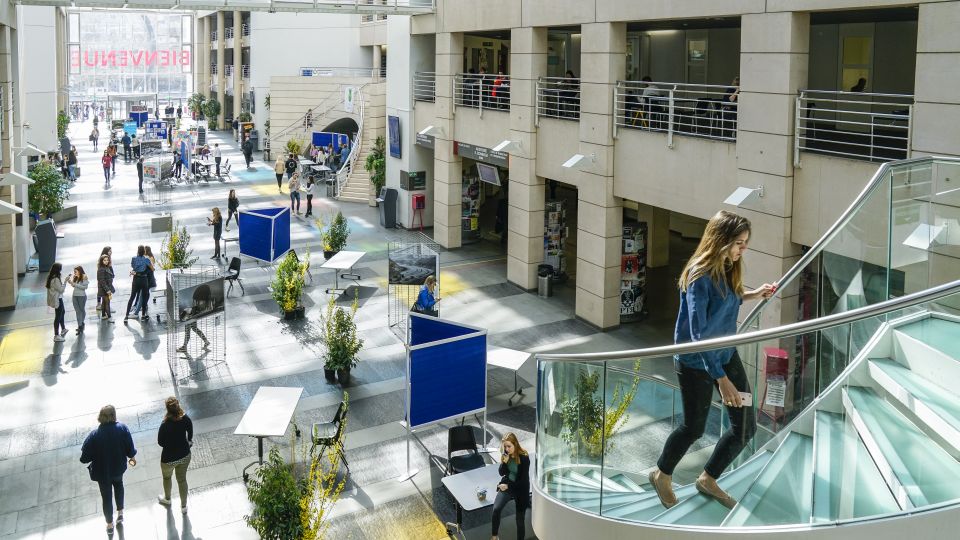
[[76, 171]]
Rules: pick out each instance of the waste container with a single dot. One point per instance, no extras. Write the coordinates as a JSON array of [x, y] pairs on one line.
[[545, 280], [388, 207]]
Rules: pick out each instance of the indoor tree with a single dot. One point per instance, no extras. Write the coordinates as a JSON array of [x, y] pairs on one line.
[[62, 122], [49, 190], [175, 250], [195, 103], [211, 109], [376, 164]]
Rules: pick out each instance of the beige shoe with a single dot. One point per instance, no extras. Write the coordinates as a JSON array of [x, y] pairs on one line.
[[654, 478], [718, 494]]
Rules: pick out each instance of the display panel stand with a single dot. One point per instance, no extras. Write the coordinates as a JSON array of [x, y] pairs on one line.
[[400, 298], [196, 346], [633, 272]]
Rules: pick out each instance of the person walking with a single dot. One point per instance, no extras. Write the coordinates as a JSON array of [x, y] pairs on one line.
[[125, 141], [514, 484], [216, 221], [291, 165], [278, 168], [55, 288], [113, 160], [177, 164], [140, 266], [106, 161], [95, 137], [105, 287], [79, 281], [426, 303], [72, 164], [308, 190], [108, 251], [345, 156], [151, 282], [711, 293], [135, 144], [179, 112], [140, 173], [217, 156], [294, 186], [108, 450], [175, 436], [247, 148], [233, 204]]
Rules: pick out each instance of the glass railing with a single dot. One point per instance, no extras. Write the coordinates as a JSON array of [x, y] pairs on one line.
[[603, 418], [900, 235]]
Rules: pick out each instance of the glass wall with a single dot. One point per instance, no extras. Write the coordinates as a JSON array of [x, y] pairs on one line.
[[136, 56]]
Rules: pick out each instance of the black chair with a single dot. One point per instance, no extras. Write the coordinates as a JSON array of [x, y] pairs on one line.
[[327, 434], [234, 275], [460, 439]]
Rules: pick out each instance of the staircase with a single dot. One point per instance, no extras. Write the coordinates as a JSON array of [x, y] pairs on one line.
[[881, 440], [357, 189]]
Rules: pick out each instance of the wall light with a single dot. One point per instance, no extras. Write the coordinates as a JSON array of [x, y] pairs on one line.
[[15, 179], [509, 146], [432, 130], [580, 161], [29, 150], [7, 209], [742, 194]]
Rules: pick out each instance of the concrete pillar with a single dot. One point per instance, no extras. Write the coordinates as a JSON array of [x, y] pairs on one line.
[[8, 253], [599, 212], [377, 60], [237, 63], [447, 167], [201, 57], [221, 69], [658, 234], [63, 97], [528, 59], [773, 66], [936, 113]]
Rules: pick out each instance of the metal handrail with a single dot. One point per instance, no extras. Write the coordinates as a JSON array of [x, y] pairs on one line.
[[332, 100], [319, 71], [346, 169], [834, 229], [779, 332], [699, 110], [482, 91], [558, 97], [425, 86]]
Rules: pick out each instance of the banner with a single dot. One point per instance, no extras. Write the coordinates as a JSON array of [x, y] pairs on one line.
[[349, 93]]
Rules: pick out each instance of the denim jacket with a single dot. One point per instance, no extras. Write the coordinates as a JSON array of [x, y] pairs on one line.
[[707, 310]]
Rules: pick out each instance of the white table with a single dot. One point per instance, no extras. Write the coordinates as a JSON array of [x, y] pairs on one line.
[[345, 260], [463, 487], [268, 416], [512, 360]]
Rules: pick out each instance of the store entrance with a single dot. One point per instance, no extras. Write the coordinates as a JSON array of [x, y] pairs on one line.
[[484, 204], [560, 238]]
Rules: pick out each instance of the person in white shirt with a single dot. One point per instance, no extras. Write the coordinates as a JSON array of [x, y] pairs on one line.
[[55, 287], [309, 189], [80, 282], [217, 156]]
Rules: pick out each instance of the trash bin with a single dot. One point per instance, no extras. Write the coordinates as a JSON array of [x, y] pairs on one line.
[[331, 187], [545, 280]]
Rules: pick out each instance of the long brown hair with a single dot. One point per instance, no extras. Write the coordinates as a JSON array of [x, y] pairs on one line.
[[712, 257], [174, 410], [54, 273], [517, 449]]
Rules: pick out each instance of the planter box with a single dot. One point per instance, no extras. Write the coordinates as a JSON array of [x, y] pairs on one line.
[[295, 314], [68, 212]]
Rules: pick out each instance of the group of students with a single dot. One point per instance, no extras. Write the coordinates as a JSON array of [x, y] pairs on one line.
[[108, 449]]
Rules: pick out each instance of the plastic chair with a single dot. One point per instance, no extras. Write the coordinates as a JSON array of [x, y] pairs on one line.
[[459, 439], [234, 275], [323, 431], [225, 171]]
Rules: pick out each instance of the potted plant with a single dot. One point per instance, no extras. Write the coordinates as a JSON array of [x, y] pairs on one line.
[[588, 424], [324, 222], [376, 165], [195, 104], [340, 337], [338, 233], [175, 250], [48, 191], [62, 122], [287, 286], [211, 109], [294, 146], [244, 117], [275, 494]]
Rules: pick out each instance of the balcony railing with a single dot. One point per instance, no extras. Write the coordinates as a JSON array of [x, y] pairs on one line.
[[698, 110], [213, 36], [245, 71], [228, 32], [558, 97], [244, 29], [425, 86], [482, 91], [228, 70], [859, 125], [213, 69]]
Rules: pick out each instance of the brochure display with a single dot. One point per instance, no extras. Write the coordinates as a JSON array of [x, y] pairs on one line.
[[633, 272], [264, 233], [555, 237], [470, 210]]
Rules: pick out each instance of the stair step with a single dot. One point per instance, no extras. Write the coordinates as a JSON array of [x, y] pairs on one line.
[[627, 482], [706, 511], [608, 502], [566, 480], [934, 405], [781, 493], [647, 505], [608, 483], [917, 470], [941, 334]]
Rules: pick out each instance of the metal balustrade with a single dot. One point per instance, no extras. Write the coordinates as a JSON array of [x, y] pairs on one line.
[[244, 29], [558, 97], [228, 70], [245, 71], [859, 125], [228, 32], [482, 91], [213, 69], [213, 36], [698, 110], [425, 86]]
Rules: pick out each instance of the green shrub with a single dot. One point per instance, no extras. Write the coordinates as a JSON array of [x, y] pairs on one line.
[[340, 336], [211, 109], [49, 190], [62, 122], [275, 495], [287, 285], [376, 165], [338, 233], [175, 251]]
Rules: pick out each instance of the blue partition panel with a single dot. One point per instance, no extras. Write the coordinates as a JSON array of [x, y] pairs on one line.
[[425, 329], [448, 380], [281, 234]]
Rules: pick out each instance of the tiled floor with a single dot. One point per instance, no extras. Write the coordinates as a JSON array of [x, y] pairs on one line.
[[51, 392]]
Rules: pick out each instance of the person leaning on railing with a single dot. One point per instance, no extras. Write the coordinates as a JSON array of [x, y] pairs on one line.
[[711, 292]]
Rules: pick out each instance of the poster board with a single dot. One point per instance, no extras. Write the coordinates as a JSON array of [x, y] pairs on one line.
[[264, 233], [412, 265], [200, 300], [393, 127]]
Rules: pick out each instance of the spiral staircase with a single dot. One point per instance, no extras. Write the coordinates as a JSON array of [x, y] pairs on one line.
[[860, 439]]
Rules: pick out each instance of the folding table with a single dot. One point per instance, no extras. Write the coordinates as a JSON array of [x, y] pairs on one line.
[[345, 260], [512, 360], [268, 416], [463, 486]]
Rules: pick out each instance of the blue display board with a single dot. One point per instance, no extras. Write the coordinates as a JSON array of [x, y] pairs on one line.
[[446, 370], [130, 127], [264, 233], [393, 125], [323, 138]]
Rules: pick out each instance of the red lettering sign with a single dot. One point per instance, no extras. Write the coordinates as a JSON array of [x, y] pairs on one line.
[[130, 57]]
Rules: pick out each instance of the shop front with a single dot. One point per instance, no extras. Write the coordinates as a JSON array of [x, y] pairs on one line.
[[484, 202]]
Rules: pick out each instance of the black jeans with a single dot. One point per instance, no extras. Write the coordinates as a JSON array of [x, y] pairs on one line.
[[503, 497], [696, 391], [309, 204], [232, 214], [279, 180], [141, 289], [217, 161], [109, 490], [58, 318]]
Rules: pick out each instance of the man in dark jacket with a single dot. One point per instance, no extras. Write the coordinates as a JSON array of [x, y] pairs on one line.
[[126, 148], [247, 148], [140, 172], [291, 165], [108, 449]]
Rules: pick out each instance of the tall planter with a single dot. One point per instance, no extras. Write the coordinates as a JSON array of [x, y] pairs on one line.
[[287, 286], [341, 339], [49, 189], [175, 250]]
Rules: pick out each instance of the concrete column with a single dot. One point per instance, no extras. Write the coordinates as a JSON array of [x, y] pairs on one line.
[[599, 212], [8, 253], [377, 60], [237, 63], [221, 69], [936, 113], [201, 57], [528, 60], [658, 234], [62, 67], [773, 67], [447, 167]]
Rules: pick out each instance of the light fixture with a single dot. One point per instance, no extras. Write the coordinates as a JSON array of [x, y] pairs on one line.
[[580, 161], [7, 209], [29, 150], [742, 194], [15, 179], [509, 146], [432, 130]]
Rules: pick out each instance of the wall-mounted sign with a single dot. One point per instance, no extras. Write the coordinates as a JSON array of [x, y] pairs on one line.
[[129, 57], [413, 181], [426, 141], [393, 127], [349, 94], [480, 153]]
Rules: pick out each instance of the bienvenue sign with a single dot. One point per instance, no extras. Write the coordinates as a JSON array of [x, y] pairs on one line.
[[130, 57]]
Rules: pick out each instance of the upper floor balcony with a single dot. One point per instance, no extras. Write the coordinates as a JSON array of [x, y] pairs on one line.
[[245, 71], [482, 91], [425, 86], [213, 38], [245, 35], [558, 97], [228, 35], [694, 110]]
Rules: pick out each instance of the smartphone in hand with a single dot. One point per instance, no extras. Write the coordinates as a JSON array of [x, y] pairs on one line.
[[746, 399]]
